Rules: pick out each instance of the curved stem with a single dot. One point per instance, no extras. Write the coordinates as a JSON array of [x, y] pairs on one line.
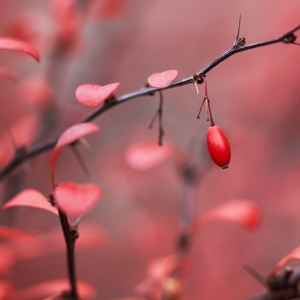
[[287, 38]]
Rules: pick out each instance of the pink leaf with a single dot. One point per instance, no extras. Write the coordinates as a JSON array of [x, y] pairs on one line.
[[93, 95], [76, 199], [30, 198], [8, 43], [8, 74], [14, 234], [146, 155], [241, 211], [162, 80], [57, 286], [71, 135], [295, 254]]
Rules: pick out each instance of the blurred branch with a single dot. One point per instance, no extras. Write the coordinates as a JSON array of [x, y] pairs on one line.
[[238, 46]]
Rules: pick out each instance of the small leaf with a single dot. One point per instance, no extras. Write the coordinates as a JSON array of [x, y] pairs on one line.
[[295, 254], [93, 95], [241, 211], [8, 43], [30, 198], [146, 155], [8, 74], [57, 286], [76, 199], [162, 80], [71, 135]]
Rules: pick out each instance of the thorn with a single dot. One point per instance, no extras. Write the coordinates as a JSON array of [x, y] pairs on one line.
[[256, 275], [80, 160], [238, 31], [85, 144]]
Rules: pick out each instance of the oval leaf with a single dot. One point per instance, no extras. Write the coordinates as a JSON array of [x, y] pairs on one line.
[[76, 199], [8, 43], [30, 198], [295, 254], [162, 80], [146, 155], [243, 212], [93, 95], [71, 135], [57, 286]]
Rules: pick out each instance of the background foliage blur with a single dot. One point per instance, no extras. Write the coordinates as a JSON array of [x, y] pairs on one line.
[[254, 97]]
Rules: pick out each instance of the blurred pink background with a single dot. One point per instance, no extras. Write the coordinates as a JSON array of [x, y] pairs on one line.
[[255, 98]]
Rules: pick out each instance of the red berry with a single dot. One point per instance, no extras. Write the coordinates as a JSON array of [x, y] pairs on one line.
[[218, 146]]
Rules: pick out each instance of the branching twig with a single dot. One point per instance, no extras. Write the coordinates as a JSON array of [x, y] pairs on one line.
[[287, 38]]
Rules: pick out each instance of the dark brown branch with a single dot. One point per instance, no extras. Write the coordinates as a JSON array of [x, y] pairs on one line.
[[287, 38], [70, 238]]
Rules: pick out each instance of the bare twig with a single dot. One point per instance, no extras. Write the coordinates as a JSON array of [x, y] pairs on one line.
[[287, 38]]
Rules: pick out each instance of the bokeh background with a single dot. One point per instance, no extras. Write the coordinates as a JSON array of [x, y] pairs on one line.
[[255, 98]]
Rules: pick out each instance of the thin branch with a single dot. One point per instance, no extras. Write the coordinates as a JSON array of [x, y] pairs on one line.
[[70, 239], [287, 38]]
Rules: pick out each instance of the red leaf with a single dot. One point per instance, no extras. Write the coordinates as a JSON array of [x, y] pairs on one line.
[[241, 211], [14, 234], [295, 254], [30, 198], [48, 288], [93, 95], [162, 80], [8, 74], [71, 135], [8, 43], [76, 199], [146, 155]]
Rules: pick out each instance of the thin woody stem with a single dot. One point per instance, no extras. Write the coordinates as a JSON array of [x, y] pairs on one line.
[[70, 244], [287, 38], [160, 112]]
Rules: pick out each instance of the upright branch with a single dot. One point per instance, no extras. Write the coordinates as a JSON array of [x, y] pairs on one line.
[[70, 236], [238, 46]]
